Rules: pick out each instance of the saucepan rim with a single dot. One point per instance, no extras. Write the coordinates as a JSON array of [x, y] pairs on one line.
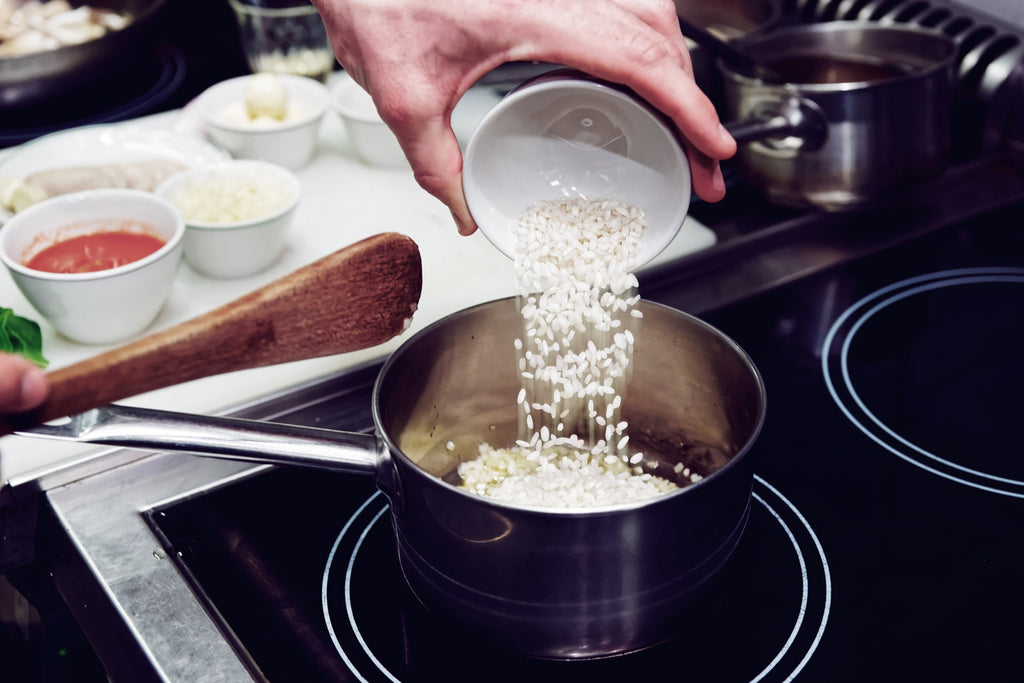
[[381, 384], [925, 72]]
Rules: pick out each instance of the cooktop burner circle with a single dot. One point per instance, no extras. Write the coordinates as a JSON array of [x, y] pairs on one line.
[[924, 367], [379, 638]]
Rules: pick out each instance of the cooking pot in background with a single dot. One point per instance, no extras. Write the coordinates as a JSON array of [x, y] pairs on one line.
[[728, 20], [34, 76], [863, 110], [565, 583]]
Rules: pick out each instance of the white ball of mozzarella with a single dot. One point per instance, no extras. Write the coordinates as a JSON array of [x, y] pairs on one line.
[[266, 96]]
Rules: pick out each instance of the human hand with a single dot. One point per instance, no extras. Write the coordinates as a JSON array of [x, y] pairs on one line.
[[418, 58], [23, 385]]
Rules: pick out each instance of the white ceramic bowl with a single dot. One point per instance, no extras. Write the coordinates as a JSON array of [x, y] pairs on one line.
[[371, 139], [237, 214], [101, 307], [566, 135], [289, 143]]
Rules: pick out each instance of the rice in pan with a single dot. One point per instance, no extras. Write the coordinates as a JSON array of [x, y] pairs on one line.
[[578, 297]]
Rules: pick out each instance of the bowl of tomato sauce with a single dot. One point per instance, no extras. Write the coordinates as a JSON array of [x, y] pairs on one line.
[[98, 265]]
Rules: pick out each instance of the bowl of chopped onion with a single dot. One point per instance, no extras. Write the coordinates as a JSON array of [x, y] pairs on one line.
[[237, 214], [265, 116]]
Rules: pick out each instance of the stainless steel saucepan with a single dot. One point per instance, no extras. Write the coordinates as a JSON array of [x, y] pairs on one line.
[[549, 583], [863, 111]]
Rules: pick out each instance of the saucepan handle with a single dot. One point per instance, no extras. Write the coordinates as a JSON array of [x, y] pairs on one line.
[[794, 118], [221, 437]]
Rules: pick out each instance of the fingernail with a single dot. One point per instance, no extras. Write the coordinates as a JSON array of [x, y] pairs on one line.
[[463, 227], [717, 179], [33, 389], [725, 134], [458, 223]]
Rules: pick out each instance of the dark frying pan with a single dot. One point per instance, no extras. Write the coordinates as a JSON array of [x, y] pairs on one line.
[[32, 77]]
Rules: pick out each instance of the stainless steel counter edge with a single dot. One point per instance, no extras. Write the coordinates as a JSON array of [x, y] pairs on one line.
[[139, 612], [86, 518]]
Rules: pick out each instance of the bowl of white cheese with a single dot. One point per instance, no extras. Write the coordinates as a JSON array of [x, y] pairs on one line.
[[265, 116], [237, 214]]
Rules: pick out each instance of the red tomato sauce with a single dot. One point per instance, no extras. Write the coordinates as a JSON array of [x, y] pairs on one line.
[[96, 251]]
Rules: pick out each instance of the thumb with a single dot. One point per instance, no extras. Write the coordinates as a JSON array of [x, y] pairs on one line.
[[23, 385]]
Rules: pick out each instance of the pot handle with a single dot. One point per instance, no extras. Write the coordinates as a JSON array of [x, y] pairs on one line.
[[790, 117], [231, 438]]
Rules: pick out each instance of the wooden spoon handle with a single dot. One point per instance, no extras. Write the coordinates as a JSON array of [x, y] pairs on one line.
[[358, 297]]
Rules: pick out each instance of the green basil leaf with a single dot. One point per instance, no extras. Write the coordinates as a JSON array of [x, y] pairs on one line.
[[21, 336]]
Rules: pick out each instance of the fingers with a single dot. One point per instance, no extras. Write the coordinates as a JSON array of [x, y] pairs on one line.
[[661, 80], [694, 115], [647, 53], [660, 15], [23, 385], [636, 43], [706, 175], [435, 156]]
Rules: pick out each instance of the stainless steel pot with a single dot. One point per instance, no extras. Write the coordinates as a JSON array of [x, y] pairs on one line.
[[865, 112], [31, 77], [549, 583]]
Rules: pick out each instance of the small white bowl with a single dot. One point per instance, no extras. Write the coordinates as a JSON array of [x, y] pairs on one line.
[[290, 143], [105, 306], [372, 140], [237, 214], [565, 135]]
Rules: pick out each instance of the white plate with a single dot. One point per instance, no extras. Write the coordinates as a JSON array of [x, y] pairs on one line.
[[104, 144]]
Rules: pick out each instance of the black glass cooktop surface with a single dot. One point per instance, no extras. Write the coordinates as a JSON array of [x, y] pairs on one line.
[[883, 541]]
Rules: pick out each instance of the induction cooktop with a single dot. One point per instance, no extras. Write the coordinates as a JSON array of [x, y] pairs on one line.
[[883, 538]]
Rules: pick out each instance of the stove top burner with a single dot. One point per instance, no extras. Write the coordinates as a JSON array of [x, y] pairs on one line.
[[135, 87], [761, 622], [926, 367]]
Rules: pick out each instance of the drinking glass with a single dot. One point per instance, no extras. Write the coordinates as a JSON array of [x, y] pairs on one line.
[[284, 36]]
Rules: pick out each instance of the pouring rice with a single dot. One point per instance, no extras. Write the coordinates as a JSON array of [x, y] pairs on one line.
[[577, 297]]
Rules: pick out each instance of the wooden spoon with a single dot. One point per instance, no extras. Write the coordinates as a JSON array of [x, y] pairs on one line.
[[358, 297]]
